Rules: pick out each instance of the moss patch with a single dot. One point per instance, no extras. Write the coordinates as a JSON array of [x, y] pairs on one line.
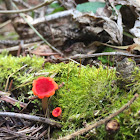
[[89, 94]]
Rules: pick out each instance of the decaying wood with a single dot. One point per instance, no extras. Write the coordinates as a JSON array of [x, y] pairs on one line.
[[31, 117], [97, 124]]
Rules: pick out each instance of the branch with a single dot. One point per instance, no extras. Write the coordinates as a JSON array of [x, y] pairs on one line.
[[97, 124], [81, 56], [26, 10], [31, 117]]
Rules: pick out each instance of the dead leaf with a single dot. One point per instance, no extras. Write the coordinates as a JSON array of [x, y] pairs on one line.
[[42, 49], [129, 47], [113, 30]]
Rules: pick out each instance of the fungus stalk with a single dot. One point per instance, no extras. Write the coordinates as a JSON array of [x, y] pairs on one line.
[[45, 105]]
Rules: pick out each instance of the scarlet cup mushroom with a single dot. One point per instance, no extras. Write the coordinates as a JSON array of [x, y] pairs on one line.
[[57, 112], [44, 87]]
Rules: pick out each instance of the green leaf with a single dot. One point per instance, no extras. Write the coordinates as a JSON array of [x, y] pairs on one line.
[[90, 6], [118, 7]]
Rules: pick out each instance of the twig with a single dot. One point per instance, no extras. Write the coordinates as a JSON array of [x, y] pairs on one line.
[[15, 48], [27, 10], [10, 85], [20, 48], [8, 43], [5, 23], [61, 85], [97, 124], [13, 101], [43, 54], [35, 131], [31, 117], [81, 56], [4, 93], [52, 17], [42, 134]]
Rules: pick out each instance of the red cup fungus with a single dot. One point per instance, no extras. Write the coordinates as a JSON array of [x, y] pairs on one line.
[[57, 112], [44, 87]]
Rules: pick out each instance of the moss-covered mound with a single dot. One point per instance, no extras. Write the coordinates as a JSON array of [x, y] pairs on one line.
[[89, 94]]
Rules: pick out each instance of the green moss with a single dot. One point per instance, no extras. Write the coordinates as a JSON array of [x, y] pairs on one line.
[[10, 65], [88, 95]]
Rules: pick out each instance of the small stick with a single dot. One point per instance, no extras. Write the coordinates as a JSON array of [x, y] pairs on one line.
[[52, 17], [20, 48], [10, 85], [26, 10], [103, 121], [35, 131], [61, 85], [42, 134], [43, 54], [25, 46], [5, 23], [31, 117]]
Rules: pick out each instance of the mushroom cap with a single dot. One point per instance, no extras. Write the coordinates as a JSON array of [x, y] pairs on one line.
[[44, 87], [57, 112]]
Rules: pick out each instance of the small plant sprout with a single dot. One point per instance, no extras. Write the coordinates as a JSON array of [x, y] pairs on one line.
[[44, 87], [57, 112]]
